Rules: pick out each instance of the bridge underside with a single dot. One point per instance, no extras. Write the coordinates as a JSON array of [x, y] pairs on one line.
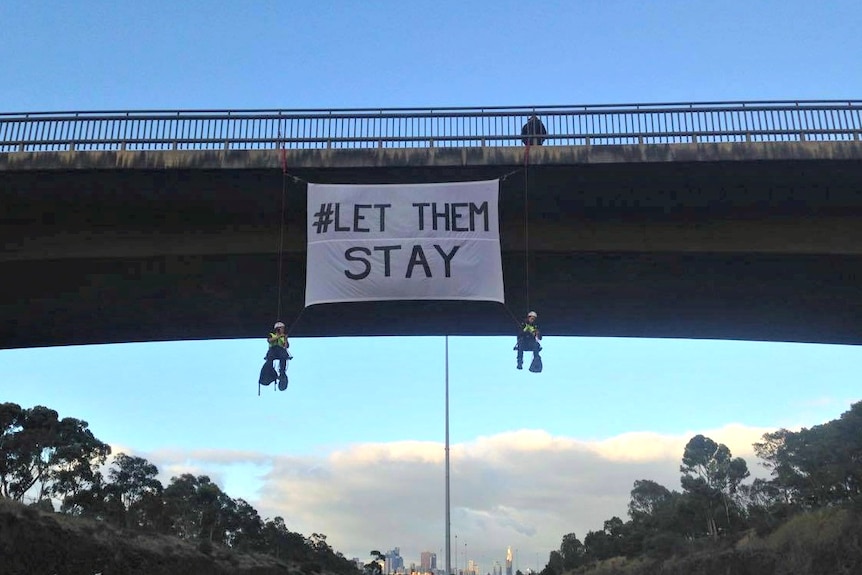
[[723, 296], [751, 250]]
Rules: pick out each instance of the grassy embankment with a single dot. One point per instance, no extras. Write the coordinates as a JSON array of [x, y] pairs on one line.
[[823, 542], [33, 542]]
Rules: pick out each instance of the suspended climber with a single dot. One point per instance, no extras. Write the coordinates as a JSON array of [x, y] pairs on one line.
[[278, 345], [534, 133], [528, 340]]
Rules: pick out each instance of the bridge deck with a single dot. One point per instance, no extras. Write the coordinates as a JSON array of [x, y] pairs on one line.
[[736, 240]]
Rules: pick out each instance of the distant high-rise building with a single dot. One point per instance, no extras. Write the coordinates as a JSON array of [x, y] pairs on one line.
[[394, 561], [497, 569], [508, 561], [428, 561]]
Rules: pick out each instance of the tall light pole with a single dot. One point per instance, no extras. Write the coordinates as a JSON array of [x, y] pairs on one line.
[[456, 555], [448, 519]]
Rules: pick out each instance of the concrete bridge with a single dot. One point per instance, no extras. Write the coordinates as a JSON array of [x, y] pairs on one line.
[[731, 221]]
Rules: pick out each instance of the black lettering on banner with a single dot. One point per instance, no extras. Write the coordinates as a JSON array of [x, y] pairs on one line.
[[421, 207], [452, 213], [478, 210], [348, 255], [447, 258], [338, 226], [382, 208], [418, 258], [387, 269], [456, 215], [357, 217], [444, 215]]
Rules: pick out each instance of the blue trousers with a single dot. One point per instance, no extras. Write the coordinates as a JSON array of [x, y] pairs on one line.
[[527, 344], [280, 354]]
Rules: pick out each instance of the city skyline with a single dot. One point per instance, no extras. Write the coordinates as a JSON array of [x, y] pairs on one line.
[[395, 563]]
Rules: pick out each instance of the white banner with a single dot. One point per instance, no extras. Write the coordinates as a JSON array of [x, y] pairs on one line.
[[403, 242]]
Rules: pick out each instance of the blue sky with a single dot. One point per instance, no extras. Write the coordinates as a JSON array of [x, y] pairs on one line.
[[534, 457]]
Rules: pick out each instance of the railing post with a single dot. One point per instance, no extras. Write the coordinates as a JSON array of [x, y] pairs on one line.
[[175, 143]]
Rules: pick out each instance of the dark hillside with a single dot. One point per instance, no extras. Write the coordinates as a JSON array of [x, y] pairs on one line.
[[34, 542], [823, 542]]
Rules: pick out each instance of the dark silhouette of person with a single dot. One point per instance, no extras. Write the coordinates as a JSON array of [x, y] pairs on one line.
[[278, 345], [534, 127], [528, 340]]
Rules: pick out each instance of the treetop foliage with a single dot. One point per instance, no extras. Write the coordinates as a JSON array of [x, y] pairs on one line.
[[810, 469], [47, 458]]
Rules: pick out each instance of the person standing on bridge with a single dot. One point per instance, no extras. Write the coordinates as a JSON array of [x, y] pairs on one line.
[[534, 127], [278, 345], [528, 340]]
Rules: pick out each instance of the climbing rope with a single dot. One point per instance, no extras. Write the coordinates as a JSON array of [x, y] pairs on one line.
[[526, 225], [282, 224], [281, 246]]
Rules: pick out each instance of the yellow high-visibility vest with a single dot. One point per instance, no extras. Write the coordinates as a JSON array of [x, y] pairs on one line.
[[279, 340]]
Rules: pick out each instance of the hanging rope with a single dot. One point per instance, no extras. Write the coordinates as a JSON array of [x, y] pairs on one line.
[[282, 224], [526, 226], [294, 322], [514, 317]]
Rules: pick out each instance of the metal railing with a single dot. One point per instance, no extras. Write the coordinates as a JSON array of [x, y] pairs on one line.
[[675, 123]]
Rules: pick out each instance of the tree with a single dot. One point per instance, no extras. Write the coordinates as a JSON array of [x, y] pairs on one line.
[[555, 562], [196, 508], [817, 466], [317, 541], [11, 424], [647, 497], [40, 450], [29, 441], [90, 501], [76, 459], [572, 551], [274, 536], [134, 484], [133, 477], [245, 527], [712, 477], [373, 567], [608, 542]]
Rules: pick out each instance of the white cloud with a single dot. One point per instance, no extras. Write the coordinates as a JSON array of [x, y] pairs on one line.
[[524, 488]]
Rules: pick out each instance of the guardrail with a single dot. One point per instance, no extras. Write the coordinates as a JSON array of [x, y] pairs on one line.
[[675, 123]]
